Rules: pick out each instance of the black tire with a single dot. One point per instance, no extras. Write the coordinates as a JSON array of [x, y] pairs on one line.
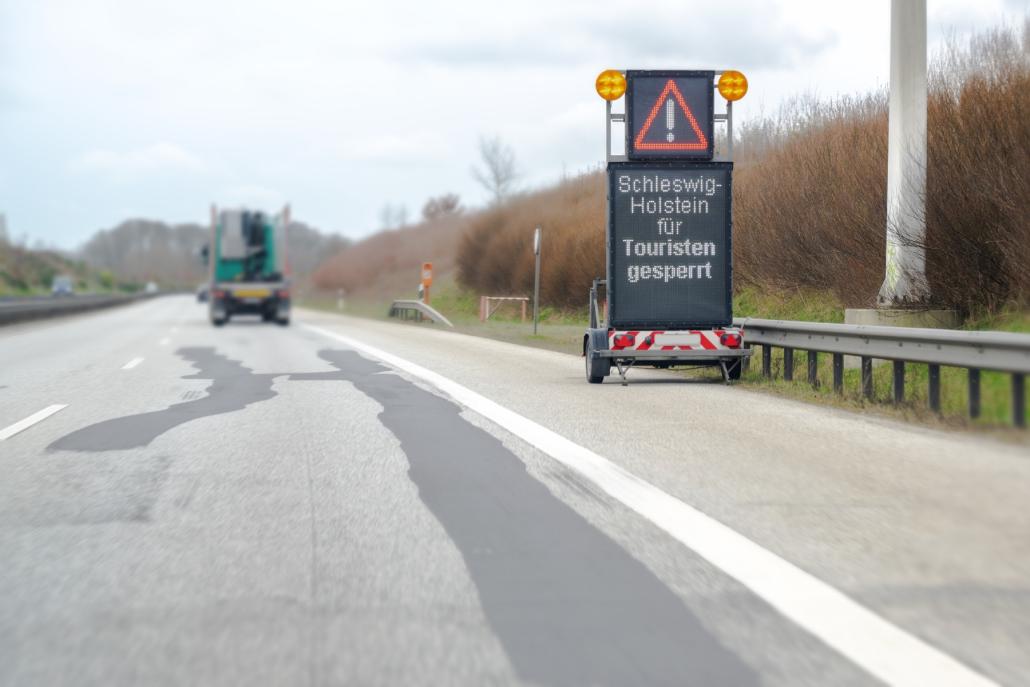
[[597, 368], [219, 322], [283, 322], [267, 316]]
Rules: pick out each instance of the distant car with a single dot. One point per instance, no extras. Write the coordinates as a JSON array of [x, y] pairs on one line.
[[202, 293], [62, 286], [151, 287]]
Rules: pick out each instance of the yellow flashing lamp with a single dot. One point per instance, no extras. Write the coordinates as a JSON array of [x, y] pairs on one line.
[[732, 85], [610, 84]]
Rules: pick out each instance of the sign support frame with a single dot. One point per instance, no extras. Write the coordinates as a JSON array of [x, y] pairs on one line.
[[611, 118]]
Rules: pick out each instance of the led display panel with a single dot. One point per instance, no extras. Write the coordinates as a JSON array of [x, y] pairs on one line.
[[670, 115], [669, 245]]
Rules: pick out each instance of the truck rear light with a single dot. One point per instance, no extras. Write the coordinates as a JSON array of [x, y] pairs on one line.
[[218, 293], [282, 293], [624, 340], [731, 339]]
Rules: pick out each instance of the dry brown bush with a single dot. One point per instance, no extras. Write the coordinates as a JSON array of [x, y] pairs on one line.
[[810, 196], [809, 212], [496, 255], [978, 175], [810, 202], [387, 265]]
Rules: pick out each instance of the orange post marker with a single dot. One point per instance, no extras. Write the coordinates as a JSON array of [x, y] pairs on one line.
[[427, 280]]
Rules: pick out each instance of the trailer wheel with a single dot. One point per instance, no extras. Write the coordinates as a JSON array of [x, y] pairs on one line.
[[597, 368]]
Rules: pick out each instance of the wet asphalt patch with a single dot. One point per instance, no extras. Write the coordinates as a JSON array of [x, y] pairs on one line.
[[233, 387], [568, 604]]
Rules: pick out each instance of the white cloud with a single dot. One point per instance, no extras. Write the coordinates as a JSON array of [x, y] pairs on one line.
[[340, 107], [389, 147], [159, 157], [251, 196]]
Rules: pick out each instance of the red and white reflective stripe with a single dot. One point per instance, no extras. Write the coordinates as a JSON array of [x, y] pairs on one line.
[[708, 339]]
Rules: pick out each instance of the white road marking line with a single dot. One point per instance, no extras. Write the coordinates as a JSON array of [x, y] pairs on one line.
[[163, 342], [132, 363], [8, 432], [871, 642]]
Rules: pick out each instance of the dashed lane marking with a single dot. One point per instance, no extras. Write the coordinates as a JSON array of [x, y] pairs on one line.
[[21, 425]]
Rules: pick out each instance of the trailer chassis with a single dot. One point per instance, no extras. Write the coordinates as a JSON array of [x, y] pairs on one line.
[[600, 358]]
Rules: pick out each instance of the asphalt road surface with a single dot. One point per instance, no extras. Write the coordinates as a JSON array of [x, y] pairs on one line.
[[348, 502]]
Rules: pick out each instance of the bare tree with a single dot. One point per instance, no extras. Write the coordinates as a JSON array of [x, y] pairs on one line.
[[499, 171], [393, 216], [447, 204]]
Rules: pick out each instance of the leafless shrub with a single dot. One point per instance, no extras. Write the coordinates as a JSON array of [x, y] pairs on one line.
[[810, 188], [499, 171]]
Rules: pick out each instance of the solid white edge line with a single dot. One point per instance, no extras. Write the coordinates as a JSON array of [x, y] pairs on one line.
[[132, 363], [871, 642], [11, 430]]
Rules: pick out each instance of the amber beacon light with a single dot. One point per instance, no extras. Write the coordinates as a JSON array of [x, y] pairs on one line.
[[732, 85], [610, 84]]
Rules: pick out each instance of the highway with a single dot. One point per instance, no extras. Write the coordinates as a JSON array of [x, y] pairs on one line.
[[354, 502]]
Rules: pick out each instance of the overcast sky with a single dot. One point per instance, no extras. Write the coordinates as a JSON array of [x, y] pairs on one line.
[[111, 109]]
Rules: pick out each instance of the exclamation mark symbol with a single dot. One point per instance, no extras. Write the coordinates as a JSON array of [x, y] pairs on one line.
[[670, 120]]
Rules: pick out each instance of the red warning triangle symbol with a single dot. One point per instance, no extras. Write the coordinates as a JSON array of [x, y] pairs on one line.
[[670, 141]]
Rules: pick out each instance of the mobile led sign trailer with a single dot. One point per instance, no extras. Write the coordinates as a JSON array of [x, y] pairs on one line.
[[669, 235]]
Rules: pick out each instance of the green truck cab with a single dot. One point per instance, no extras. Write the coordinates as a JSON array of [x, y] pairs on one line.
[[249, 268]]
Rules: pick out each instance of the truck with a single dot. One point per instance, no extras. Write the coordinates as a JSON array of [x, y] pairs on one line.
[[248, 266]]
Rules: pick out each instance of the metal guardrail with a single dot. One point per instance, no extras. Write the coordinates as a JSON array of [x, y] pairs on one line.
[[975, 351], [37, 307], [401, 308]]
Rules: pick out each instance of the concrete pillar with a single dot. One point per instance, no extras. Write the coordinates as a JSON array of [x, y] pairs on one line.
[[905, 279]]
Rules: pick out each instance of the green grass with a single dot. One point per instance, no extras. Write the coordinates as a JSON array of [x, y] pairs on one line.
[[563, 331], [1012, 319], [807, 306]]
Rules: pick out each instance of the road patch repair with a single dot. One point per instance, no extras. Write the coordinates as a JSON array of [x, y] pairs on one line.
[[871, 642], [233, 387], [465, 490], [569, 605], [554, 588]]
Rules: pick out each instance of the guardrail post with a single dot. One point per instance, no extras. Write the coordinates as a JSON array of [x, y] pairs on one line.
[[788, 364], [867, 377], [899, 382], [813, 368], [934, 391], [766, 360], [838, 373], [1019, 400], [974, 393]]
